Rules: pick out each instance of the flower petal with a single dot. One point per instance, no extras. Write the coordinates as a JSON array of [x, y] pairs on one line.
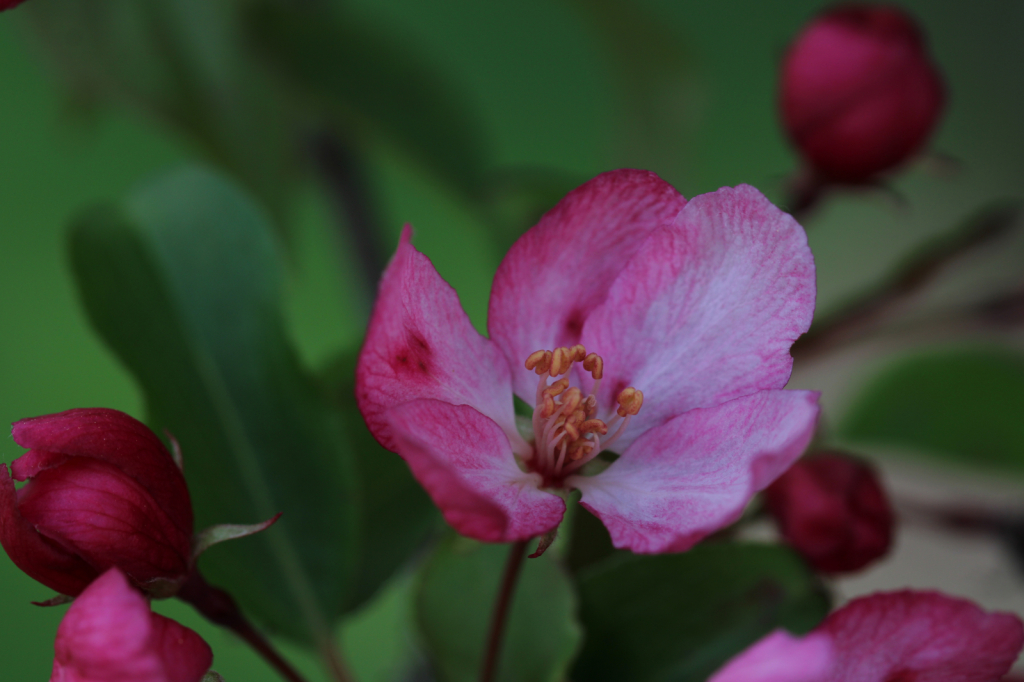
[[560, 270], [185, 656], [421, 345], [109, 634], [707, 309], [687, 478], [921, 636], [105, 633], [51, 565], [113, 437], [464, 461], [95, 510], [781, 657]]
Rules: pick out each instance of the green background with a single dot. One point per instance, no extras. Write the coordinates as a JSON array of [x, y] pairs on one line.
[[549, 94]]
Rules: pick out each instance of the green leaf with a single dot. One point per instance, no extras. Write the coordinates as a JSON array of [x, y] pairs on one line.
[[515, 198], [589, 541], [966, 406], [679, 617], [653, 68], [397, 516], [455, 600], [181, 62], [183, 280], [372, 85]]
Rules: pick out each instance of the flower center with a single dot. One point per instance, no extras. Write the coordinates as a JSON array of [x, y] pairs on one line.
[[567, 433]]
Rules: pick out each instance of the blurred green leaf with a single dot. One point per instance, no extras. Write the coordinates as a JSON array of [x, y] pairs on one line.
[[652, 67], [455, 600], [397, 516], [515, 199], [372, 83], [966, 406], [183, 281], [183, 63], [678, 617], [589, 541]]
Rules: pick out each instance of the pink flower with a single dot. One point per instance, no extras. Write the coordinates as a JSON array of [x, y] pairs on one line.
[[858, 92], [103, 491], [630, 321], [780, 657], [888, 637], [110, 635], [832, 509]]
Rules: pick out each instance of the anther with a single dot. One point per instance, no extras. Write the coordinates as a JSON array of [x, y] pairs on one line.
[[539, 360], [571, 400], [594, 364], [561, 360], [594, 426], [579, 352], [580, 449], [630, 400], [549, 406], [557, 387]]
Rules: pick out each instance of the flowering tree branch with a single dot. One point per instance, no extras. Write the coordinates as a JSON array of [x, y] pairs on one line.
[[861, 315]]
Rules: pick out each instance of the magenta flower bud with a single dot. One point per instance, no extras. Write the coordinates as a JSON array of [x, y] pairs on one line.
[[110, 635], [102, 491], [832, 509], [858, 92]]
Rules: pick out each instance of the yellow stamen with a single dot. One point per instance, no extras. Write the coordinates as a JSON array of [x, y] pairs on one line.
[[567, 431], [561, 360], [629, 400], [539, 360], [557, 387]]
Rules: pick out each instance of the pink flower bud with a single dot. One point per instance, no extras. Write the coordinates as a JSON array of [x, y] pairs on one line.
[[110, 635], [102, 491], [858, 92], [832, 509]]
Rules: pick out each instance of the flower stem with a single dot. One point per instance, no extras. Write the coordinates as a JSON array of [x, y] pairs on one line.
[[220, 607], [500, 615]]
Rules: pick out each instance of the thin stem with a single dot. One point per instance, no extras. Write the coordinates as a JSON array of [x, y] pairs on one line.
[[500, 615], [220, 607], [862, 314], [335, 663]]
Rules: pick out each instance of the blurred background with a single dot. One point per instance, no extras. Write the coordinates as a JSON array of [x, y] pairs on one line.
[[467, 120]]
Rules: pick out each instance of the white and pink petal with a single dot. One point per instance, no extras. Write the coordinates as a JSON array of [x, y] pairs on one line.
[[421, 345], [706, 309], [781, 657], [464, 461], [696, 473], [560, 270]]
